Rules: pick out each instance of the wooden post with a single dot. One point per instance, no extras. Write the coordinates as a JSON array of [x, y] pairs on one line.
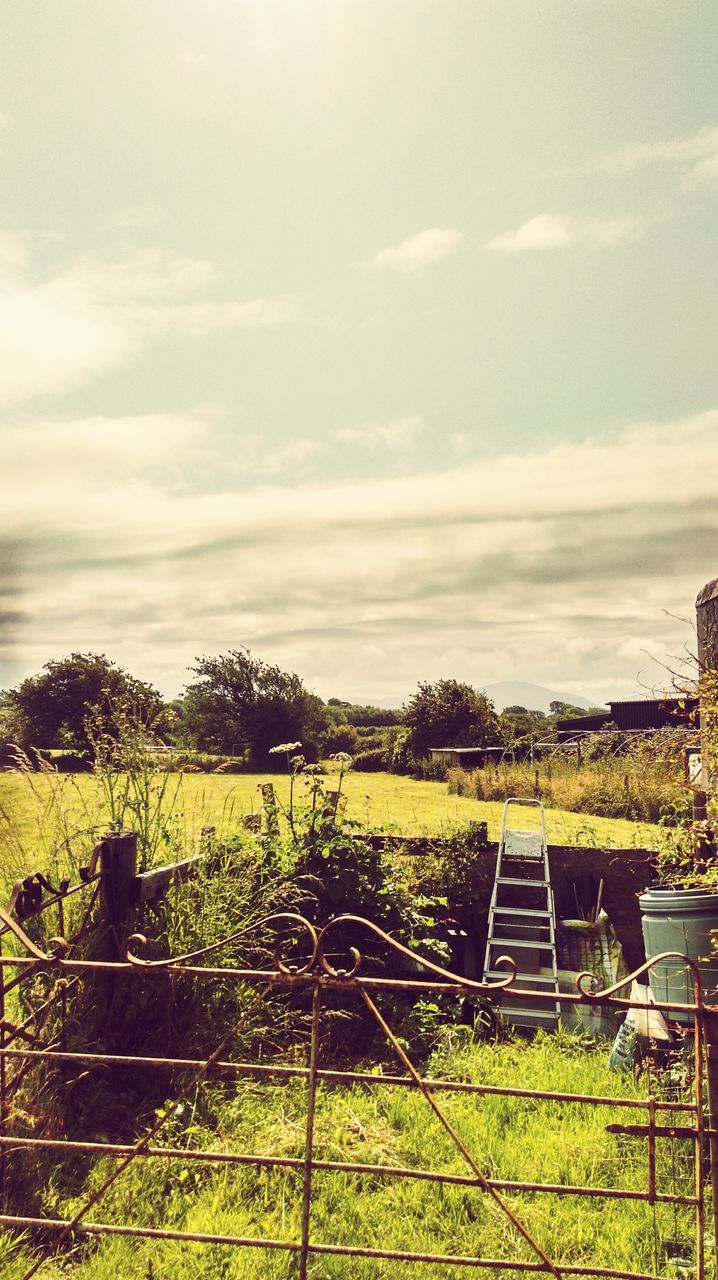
[[271, 817], [118, 864], [710, 1026]]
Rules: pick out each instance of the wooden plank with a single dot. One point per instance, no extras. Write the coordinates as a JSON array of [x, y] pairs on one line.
[[149, 885]]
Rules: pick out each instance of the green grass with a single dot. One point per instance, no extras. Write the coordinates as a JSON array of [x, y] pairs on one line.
[[641, 785], [522, 1139], [40, 814]]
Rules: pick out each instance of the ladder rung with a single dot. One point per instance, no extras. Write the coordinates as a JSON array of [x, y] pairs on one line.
[[524, 1012], [522, 911], [538, 944], [523, 977], [532, 884]]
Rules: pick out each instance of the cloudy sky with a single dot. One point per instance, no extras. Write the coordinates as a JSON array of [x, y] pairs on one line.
[[376, 335]]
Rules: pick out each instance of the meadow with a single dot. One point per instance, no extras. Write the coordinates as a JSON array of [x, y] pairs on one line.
[[43, 815]]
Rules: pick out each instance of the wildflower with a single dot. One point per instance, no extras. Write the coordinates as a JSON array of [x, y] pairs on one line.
[[284, 747]]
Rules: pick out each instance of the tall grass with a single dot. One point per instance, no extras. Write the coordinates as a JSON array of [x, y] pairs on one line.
[[641, 786]]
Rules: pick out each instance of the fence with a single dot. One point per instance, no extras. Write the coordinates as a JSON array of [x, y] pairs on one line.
[[325, 968]]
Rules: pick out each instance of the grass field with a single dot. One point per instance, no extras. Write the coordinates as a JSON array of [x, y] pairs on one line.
[[511, 1138], [40, 813]]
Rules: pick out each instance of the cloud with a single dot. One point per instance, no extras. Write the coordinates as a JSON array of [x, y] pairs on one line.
[[563, 231], [62, 328], [556, 565], [396, 439], [397, 435], [697, 154], [418, 251]]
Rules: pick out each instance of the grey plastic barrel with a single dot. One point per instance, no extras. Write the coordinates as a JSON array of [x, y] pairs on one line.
[[681, 920]]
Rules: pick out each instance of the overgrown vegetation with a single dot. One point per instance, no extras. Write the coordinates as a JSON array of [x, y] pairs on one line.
[[644, 783], [687, 857], [307, 856], [512, 1138]]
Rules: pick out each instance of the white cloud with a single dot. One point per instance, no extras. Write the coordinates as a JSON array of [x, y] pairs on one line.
[[90, 315], [563, 231], [461, 444], [697, 154], [557, 565], [398, 435], [418, 251]]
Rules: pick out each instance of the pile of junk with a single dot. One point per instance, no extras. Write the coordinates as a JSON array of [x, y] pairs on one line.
[[683, 922]]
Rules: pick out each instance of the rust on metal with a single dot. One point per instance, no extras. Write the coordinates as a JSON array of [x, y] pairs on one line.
[[651, 1150], [335, 1166]]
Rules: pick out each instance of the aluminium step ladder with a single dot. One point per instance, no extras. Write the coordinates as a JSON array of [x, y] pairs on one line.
[[522, 920]]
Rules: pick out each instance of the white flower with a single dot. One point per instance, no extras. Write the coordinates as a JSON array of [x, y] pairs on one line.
[[284, 747]]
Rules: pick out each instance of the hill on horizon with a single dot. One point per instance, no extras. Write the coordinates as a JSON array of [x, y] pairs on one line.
[[535, 697]]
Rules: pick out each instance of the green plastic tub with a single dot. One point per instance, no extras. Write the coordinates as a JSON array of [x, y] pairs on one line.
[[681, 920]]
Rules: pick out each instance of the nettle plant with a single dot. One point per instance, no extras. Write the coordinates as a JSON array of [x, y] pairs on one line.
[[339, 870], [134, 792]]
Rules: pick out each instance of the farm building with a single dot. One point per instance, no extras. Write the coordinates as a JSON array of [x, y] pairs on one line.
[[635, 715], [465, 757]]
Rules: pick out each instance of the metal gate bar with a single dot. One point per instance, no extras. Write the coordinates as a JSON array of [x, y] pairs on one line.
[[318, 974]]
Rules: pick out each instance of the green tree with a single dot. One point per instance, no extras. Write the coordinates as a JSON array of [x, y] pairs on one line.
[[450, 714], [240, 705], [567, 711], [519, 725], [52, 709]]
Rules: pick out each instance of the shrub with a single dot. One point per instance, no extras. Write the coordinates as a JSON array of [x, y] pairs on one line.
[[370, 761]]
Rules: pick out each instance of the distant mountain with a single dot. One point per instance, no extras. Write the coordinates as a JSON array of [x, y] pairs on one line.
[[535, 697]]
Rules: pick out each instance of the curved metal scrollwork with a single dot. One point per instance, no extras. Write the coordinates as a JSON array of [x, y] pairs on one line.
[[429, 966], [586, 976], [281, 917], [318, 961], [29, 894], [59, 946]]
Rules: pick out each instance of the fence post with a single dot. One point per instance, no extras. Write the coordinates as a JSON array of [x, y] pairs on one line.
[[118, 865], [710, 1028]]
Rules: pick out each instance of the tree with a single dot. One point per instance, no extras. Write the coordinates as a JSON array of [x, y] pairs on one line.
[[519, 725], [53, 708], [240, 705], [450, 714], [567, 711]]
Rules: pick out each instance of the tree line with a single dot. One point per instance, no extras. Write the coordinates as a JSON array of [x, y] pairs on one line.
[[238, 706]]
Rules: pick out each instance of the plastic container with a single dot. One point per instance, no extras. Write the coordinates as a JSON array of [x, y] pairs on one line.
[[624, 1046], [682, 920]]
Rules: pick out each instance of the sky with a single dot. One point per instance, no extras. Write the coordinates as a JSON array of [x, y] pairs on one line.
[[376, 336]]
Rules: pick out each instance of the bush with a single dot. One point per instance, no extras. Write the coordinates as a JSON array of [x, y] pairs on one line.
[[370, 761], [431, 770], [198, 762], [69, 761], [338, 737]]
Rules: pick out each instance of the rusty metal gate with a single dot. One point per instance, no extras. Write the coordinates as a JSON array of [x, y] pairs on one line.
[[327, 968]]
